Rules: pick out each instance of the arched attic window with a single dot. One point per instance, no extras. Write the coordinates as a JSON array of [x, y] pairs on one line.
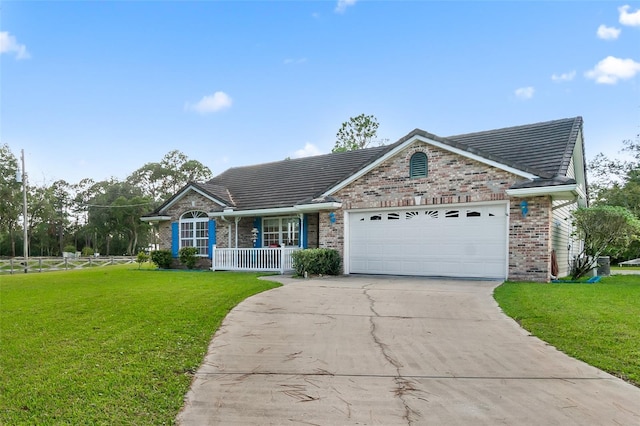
[[418, 165], [194, 231]]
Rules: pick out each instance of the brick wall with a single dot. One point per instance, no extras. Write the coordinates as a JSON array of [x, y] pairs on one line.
[[529, 240], [312, 229], [192, 201], [451, 179]]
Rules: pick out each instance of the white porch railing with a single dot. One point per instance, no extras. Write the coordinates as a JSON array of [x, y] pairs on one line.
[[253, 259]]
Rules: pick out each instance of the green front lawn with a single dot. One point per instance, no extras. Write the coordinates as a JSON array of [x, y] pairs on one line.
[[597, 323], [110, 345]]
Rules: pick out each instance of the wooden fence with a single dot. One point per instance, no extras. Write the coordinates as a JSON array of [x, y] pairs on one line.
[[17, 265]]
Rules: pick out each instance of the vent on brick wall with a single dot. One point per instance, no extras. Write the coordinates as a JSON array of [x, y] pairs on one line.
[[418, 165]]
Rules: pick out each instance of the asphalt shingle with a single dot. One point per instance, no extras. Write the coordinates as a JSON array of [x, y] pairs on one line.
[[544, 149]]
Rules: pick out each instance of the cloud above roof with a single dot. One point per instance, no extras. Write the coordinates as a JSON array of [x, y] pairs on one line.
[[525, 92], [211, 103], [611, 69], [308, 151], [567, 76], [343, 4], [9, 44], [631, 19], [608, 33]]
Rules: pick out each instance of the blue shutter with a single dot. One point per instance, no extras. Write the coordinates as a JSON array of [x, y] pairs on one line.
[[212, 236], [257, 223], [305, 232], [175, 239]]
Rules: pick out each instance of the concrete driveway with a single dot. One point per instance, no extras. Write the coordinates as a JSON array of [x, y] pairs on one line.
[[393, 351]]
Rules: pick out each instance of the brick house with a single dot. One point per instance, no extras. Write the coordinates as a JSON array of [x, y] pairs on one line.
[[491, 204]]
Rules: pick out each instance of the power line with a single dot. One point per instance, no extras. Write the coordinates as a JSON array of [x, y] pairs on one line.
[[115, 207]]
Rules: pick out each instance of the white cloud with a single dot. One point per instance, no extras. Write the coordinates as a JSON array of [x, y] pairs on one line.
[[525, 92], [343, 4], [611, 69], [608, 33], [309, 150], [213, 103], [9, 44], [632, 19], [567, 76]]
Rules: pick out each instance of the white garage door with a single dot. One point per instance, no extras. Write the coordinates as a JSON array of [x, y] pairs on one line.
[[453, 241]]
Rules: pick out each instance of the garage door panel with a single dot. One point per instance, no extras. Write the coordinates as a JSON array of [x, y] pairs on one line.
[[448, 241]]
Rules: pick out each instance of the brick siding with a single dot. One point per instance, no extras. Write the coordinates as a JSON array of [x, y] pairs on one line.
[[451, 179]]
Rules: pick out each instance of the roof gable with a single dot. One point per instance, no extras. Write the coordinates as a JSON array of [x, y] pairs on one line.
[[211, 192]]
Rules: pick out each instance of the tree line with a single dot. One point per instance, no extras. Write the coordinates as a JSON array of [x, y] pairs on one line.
[[88, 216]]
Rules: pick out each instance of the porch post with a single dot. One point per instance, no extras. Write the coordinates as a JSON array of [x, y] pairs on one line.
[[236, 261], [213, 257], [237, 221], [282, 259]]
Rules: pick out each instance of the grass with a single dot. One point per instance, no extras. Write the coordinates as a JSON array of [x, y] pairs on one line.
[[108, 346], [596, 323]]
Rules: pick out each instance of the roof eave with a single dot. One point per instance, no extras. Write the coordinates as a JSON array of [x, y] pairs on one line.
[[557, 192], [183, 192], [302, 208], [158, 218], [314, 207]]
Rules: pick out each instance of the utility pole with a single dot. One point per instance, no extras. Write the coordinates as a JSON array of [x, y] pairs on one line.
[[25, 245]]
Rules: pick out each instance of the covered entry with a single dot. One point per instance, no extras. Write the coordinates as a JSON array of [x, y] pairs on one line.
[[453, 241]]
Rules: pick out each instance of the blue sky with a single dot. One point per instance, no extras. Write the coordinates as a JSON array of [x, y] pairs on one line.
[[98, 89]]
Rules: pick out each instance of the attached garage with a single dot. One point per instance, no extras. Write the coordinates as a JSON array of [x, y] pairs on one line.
[[454, 241]]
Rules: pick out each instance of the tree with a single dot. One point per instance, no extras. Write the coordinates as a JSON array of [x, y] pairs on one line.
[[114, 211], [10, 196], [604, 230], [161, 180], [50, 219], [617, 183], [357, 133]]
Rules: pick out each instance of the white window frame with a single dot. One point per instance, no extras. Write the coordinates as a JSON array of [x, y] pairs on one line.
[[287, 232], [193, 231]]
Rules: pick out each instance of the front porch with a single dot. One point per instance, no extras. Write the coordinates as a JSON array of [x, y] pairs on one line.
[[276, 259]]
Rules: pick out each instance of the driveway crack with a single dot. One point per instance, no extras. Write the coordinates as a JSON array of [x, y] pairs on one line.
[[404, 386]]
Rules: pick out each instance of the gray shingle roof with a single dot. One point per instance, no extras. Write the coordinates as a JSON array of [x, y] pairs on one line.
[[289, 182], [544, 149]]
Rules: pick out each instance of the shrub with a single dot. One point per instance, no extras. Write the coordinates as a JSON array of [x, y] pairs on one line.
[[319, 261], [162, 258], [142, 258], [87, 251], [69, 249], [188, 257]]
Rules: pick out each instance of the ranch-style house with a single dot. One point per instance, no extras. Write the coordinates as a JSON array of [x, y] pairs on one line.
[[494, 204]]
